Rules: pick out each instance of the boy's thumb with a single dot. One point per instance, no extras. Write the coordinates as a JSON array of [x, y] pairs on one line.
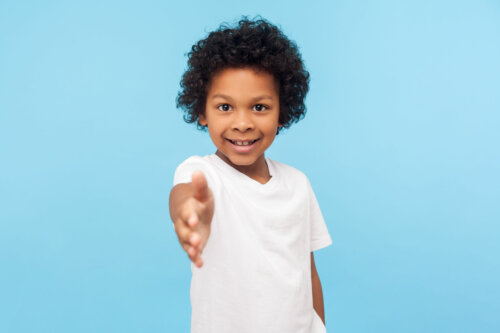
[[200, 185]]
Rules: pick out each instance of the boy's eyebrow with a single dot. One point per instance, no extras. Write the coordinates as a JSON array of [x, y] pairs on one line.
[[254, 99]]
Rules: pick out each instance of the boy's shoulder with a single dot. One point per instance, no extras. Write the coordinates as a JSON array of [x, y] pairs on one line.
[[285, 167], [185, 169], [194, 159], [288, 171], [197, 160]]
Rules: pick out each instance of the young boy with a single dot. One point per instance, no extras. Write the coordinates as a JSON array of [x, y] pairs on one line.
[[256, 221]]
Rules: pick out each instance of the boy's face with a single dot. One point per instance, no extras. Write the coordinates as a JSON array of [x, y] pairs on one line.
[[242, 106]]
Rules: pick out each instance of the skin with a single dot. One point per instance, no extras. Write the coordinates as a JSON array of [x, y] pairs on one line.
[[241, 104], [317, 291]]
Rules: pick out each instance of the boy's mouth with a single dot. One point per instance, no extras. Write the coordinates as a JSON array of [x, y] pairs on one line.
[[242, 142]]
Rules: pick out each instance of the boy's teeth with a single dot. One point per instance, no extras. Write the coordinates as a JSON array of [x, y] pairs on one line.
[[242, 143]]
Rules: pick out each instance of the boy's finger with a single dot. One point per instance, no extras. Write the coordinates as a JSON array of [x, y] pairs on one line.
[[198, 262], [200, 185], [193, 254], [191, 251], [192, 220], [185, 246], [189, 213], [194, 239], [189, 238], [183, 231]]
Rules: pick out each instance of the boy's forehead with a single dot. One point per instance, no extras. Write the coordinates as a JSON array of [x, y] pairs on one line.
[[256, 97], [241, 80]]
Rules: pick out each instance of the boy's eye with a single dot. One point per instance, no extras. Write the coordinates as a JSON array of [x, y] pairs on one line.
[[224, 107], [259, 107]]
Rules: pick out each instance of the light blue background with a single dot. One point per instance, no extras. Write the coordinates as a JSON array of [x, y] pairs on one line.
[[401, 144]]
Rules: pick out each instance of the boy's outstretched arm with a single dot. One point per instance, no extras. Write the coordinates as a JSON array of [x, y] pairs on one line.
[[317, 291], [191, 210]]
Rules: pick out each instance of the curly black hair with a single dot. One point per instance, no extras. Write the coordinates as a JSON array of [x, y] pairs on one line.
[[252, 43]]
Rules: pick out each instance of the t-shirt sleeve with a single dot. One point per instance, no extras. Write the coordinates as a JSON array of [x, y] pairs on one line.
[[320, 237], [185, 170]]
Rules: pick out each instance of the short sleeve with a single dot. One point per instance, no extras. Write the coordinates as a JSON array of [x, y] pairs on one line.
[[185, 170], [320, 237]]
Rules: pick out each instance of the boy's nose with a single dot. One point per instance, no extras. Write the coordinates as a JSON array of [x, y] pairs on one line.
[[242, 122]]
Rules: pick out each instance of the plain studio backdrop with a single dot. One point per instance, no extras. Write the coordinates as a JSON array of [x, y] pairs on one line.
[[400, 142]]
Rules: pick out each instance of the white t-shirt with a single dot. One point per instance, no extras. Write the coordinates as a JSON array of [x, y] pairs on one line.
[[256, 275]]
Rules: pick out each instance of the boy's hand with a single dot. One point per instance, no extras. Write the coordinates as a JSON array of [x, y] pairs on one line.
[[194, 217]]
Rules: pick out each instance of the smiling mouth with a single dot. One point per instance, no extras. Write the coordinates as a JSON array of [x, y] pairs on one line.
[[242, 143]]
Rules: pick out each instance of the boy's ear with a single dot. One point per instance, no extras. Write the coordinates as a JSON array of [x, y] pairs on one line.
[[202, 120]]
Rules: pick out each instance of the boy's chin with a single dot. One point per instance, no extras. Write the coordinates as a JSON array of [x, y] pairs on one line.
[[239, 160]]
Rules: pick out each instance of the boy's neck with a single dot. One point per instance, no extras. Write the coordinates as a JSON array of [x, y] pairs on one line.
[[258, 171]]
